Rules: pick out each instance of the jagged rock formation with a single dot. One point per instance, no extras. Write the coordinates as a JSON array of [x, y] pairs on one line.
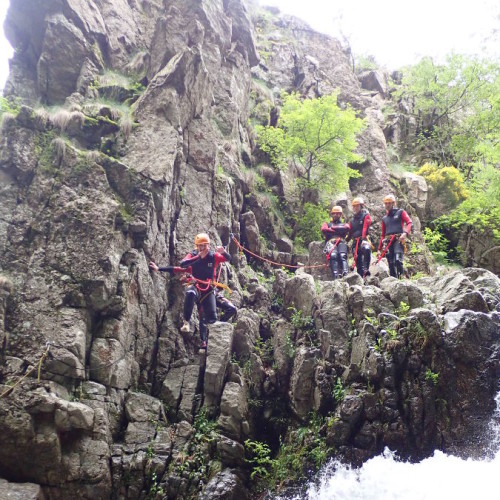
[[149, 147]]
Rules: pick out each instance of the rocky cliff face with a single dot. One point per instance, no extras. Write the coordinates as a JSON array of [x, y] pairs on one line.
[[133, 135]]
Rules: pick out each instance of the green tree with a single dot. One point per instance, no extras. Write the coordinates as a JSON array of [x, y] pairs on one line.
[[448, 188], [481, 210], [318, 138], [451, 103]]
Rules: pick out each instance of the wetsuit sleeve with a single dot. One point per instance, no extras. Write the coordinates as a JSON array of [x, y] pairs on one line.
[[366, 224], [405, 219], [173, 270], [221, 257], [349, 235], [189, 260], [325, 229], [382, 237]]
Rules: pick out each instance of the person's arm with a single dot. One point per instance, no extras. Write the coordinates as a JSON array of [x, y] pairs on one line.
[[325, 230], [189, 260], [366, 226], [221, 255], [167, 269], [406, 224], [349, 235]]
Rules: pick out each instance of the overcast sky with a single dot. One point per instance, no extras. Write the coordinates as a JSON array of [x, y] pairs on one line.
[[399, 32], [396, 32]]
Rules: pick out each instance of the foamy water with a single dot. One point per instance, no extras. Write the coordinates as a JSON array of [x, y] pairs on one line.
[[440, 477]]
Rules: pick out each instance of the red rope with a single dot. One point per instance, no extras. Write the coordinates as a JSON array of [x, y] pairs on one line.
[[385, 249], [355, 259], [242, 248]]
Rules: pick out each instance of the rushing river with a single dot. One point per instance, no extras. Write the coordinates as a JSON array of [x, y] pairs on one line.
[[440, 477]]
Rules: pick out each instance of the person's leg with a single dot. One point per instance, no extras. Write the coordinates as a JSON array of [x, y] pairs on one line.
[[209, 307], [228, 308], [390, 260], [208, 315], [189, 302], [366, 255], [334, 265], [398, 258], [342, 256]]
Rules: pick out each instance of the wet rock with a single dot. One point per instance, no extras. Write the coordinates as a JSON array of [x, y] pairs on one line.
[[226, 485]]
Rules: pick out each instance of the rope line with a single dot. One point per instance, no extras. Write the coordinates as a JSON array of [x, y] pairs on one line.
[[28, 373], [242, 248]]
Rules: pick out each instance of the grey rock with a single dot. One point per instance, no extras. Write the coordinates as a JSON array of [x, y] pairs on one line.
[[20, 491], [302, 381], [226, 485], [141, 407], [231, 452], [218, 355], [299, 295], [246, 332]]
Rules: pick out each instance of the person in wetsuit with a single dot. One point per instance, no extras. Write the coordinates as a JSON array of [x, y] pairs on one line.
[[201, 263], [336, 249], [359, 227], [396, 225]]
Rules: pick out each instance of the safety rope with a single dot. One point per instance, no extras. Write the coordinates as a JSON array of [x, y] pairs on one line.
[[355, 259], [385, 249], [334, 247], [242, 248], [29, 372]]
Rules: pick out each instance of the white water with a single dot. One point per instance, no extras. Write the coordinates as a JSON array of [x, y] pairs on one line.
[[440, 477]]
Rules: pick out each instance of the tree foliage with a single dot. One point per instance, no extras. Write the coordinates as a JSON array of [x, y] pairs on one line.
[[481, 209], [447, 182], [455, 107], [318, 137], [309, 223]]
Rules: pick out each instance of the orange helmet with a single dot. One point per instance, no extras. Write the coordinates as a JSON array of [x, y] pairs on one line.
[[337, 209], [390, 198], [358, 201], [201, 239]]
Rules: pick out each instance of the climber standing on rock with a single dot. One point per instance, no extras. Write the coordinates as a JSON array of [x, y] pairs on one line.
[[396, 225], [336, 249], [201, 263], [359, 227]]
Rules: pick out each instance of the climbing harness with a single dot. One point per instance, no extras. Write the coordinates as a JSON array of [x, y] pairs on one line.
[[386, 248], [330, 247], [279, 264]]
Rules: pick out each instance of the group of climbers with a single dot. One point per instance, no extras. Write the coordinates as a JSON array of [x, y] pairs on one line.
[[199, 266], [396, 225]]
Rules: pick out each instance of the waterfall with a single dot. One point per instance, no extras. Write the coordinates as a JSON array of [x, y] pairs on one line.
[[438, 477]]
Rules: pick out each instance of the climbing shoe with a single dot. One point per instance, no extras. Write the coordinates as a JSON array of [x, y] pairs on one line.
[[185, 327]]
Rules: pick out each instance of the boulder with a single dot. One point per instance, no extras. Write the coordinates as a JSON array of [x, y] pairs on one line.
[[299, 295], [301, 391], [218, 354], [233, 411], [225, 485], [20, 491]]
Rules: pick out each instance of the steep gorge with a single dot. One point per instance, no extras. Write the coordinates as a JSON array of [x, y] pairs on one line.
[[134, 133]]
